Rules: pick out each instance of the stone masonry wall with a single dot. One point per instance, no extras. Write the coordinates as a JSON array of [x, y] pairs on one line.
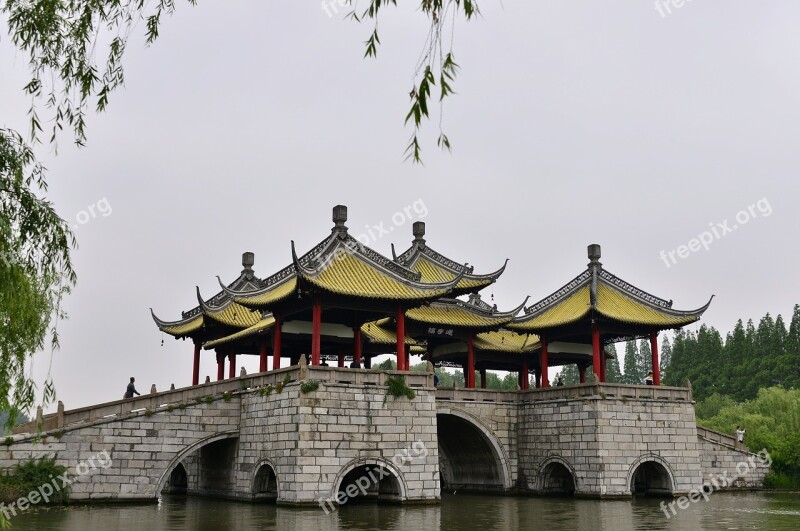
[[728, 465], [313, 439]]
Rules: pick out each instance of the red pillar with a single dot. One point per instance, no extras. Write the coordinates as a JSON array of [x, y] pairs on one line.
[[596, 353], [543, 363], [470, 376], [232, 368], [262, 355], [316, 331], [525, 376], [196, 366], [357, 345], [582, 373], [340, 361], [538, 382], [401, 339], [602, 364], [368, 362], [276, 343], [654, 351], [220, 366], [483, 378]]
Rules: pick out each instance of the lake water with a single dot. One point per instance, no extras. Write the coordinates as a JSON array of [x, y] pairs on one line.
[[457, 512]]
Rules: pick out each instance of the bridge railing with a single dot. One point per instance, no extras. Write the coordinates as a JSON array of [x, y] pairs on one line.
[[189, 395], [718, 437], [604, 390]]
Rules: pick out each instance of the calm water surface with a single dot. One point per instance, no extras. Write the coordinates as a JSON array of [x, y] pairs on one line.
[[456, 513]]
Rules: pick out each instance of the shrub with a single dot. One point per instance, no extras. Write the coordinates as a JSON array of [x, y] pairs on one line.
[[397, 388], [28, 476], [227, 396], [148, 413], [307, 387], [265, 391]]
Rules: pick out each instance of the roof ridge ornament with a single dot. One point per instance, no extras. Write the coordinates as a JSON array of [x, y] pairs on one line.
[[339, 218], [595, 266], [418, 230]]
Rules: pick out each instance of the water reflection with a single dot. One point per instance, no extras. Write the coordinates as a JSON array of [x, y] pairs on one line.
[[456, 513]]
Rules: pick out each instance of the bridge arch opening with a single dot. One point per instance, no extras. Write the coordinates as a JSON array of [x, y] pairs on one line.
[[469, 457], [368, 483], [557, 479], [178, 481], [651, 478], [265, 483]]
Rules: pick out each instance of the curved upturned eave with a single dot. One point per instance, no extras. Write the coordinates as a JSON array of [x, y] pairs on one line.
[[182, 328]]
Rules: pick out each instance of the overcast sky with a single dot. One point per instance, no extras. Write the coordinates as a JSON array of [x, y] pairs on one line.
[[576, 122]]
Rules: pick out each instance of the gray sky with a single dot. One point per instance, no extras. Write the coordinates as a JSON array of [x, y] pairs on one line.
[[575, 122]]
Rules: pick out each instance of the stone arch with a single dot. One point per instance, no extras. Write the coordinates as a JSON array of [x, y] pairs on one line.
[[178, 481], [162, 480], [264, 484], [557, 476], [368, 468], [651, 475], [477, 439]]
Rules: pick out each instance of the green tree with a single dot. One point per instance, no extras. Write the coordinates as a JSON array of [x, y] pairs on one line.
[[665, 357], [613, 372], [632, 374], [569, 374], [644, 358]]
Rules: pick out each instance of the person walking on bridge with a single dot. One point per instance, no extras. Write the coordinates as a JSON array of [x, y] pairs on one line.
[[131, 389]]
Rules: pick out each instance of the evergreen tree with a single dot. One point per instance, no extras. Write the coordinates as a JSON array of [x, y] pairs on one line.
[[644, 358], [666, 356], [792, 351], [613, 372], [569, 374], [632, 374]]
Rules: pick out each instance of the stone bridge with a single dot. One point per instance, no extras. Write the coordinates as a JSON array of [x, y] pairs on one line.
[[272, 436]]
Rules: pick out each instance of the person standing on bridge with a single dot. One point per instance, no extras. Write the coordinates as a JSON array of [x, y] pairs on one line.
[[131, 389]]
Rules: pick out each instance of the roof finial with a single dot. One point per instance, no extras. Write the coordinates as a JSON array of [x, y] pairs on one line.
[[594, 256], [339, 217], [248, 259], [419, 232]]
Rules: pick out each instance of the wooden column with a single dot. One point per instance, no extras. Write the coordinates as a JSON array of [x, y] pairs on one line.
[[401, 339], [357, 345], [596, 353], [582, 373], [276, 343], [654, 361], [525, 377], [196, 365], [368, 362], [538, 378], [316, 330], [469, 379], [543, 363], [340, 360], [220, 366], [262, 355], [483, 378], [232, 368], [602, 363]]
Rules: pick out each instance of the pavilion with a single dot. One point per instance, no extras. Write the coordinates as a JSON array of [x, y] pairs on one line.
[[342, 301]]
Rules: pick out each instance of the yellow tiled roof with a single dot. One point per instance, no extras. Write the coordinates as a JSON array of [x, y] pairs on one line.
[[235, 315], [569, 310], [506, 341], [432, 272], [611, 303], [185, 328], [616, 305], [455, 315], [277, 293], [382, 332], [348, 275], [262, 325]]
